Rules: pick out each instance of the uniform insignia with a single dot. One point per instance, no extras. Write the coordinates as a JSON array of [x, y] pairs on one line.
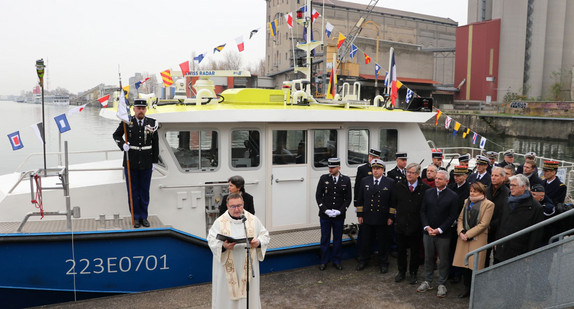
[[370, 173], [326, 182], [385, 189]]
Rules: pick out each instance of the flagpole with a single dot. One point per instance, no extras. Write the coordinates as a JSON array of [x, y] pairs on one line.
[[127, 157], [40, 71]]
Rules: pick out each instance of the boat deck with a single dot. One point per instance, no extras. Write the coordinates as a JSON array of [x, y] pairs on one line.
[[279, 239]]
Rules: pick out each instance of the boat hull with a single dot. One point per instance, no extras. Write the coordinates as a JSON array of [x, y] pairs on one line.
[[41, 269]]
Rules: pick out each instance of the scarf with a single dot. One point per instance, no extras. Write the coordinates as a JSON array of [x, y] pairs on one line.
[[471, 211], [514, 201]]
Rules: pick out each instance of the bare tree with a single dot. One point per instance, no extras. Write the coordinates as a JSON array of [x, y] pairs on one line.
[[232, 61]]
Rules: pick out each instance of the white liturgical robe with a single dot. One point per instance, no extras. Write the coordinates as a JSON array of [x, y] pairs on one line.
[[229, 266]]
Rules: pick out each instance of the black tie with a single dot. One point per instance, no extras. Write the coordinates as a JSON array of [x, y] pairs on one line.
[[334, 179], [376, 182]]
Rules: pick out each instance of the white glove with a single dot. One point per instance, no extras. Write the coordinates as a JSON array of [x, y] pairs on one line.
[[153, 165], [336, 212], [329, 212], [126, 147]]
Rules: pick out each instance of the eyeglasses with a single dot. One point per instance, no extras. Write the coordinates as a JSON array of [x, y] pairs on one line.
[[235, 206]]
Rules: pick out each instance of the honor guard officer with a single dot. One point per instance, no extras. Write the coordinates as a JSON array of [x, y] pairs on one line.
[[553, 187], [333, 197], [375, 214], [141, 148], [399, 172], [492, 156], [481, 174], [364, 171], [436, 161], [463, 160]]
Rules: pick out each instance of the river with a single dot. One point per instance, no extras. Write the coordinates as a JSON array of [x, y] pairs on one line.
[[89, 132]]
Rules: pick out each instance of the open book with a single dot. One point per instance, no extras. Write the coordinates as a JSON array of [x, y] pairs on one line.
[[231, 239]]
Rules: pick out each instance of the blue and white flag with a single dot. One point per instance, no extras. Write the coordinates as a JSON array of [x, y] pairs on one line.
[[15, 140], [123, 110], [328, 29], [474, 137], [482, 142], [386, 83], [354, 50], [62, 123], [409, 95], [377, 69]]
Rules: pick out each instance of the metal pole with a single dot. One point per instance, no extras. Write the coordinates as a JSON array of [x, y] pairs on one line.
[[43, 129], [377, 56]]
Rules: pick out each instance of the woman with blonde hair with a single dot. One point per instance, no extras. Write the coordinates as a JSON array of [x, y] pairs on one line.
[[472, 231]]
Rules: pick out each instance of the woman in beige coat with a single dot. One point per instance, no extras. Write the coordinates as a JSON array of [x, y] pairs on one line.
[[472, 231]]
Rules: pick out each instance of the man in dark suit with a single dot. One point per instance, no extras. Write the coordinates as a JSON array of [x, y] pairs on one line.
[[364, 171], [481, 174], [497, 193], [438, 212], [528, 156], [333, 197], [553, 187], [399, 172], [529, 169], [462, 189], [142, 149], [406, 199], [375, 214]]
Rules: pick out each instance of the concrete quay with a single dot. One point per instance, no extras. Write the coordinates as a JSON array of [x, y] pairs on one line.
[[300, 288]]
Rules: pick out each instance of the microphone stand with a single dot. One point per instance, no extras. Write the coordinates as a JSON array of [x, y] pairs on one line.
[[249, 261]]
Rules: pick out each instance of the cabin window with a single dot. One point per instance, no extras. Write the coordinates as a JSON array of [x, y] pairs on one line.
[[245, 148], [389, 141], [324, 147], [195, 149], [358, 151], [289, 147]]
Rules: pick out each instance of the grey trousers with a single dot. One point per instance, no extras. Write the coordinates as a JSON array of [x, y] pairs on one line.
[[440, 245]]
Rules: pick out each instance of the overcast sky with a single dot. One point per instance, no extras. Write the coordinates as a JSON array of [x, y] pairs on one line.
[[83, 42]]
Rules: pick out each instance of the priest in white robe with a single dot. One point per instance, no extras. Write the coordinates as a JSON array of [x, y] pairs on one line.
[[229, 281]]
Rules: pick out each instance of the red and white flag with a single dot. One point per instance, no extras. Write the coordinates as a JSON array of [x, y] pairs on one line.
[[447, 122], [393, 77], [240, 44], [184, 68], [315, 15], [76, 109], [104, 100], [289, 19]]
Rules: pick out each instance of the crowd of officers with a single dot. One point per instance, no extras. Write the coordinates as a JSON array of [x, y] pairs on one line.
[[440, 216]]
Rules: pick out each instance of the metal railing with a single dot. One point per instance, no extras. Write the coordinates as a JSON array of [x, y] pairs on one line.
[[525, 231], [59, 153]]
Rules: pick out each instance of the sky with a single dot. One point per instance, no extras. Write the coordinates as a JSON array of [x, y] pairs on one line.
[[84, 42]]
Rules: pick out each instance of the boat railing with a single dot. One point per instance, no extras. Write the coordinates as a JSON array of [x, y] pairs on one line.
[[59, 154]]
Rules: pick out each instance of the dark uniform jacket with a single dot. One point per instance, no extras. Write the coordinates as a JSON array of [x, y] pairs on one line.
[[247, 203], [500, 200], [331, 195], [397, 175], [439, 211], [486, 181], [463, 192], [408, 207], [502, 164], [374, 202], [527, 213], [144, 149], [362, 171], [555, 190]]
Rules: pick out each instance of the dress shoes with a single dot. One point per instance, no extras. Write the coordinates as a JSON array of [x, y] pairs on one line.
[[338, 266], [145, 222], [413, 278], [322, 267], [400, 277], [465, 294], [384, 269], [360, 266], [137, 224]]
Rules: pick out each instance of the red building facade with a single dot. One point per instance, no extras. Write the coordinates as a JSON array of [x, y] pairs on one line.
[[476, 61]]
